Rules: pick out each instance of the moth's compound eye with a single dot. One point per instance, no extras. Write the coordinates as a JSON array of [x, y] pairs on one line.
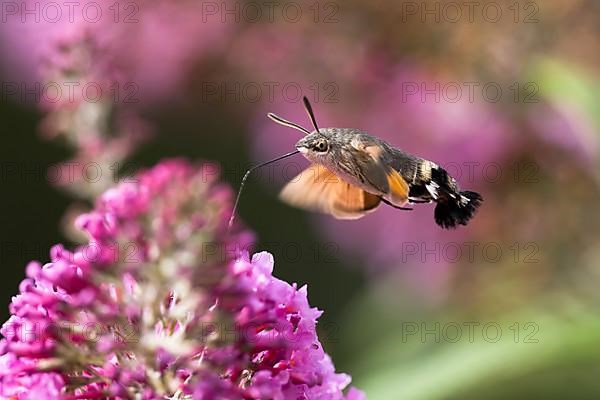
[[322, 146]]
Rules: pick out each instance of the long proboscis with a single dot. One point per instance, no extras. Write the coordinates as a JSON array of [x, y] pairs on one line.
[[237, 200]]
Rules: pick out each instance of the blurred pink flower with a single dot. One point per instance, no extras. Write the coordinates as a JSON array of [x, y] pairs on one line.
[[150, 44], [89, 65], [163, 302]]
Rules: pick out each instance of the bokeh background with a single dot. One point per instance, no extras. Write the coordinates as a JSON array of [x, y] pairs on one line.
[[504, 94]]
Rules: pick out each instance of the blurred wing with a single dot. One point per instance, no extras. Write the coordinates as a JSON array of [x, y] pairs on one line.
[[382, 176], [398, 194], [318, 189]]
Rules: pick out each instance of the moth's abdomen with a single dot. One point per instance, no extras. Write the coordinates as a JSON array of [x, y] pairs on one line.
[[459, 210], [453, 207], [426, 171]]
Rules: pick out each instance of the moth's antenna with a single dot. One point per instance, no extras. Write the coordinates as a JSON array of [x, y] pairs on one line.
[[310, 112], [237, 200], [287, 123]]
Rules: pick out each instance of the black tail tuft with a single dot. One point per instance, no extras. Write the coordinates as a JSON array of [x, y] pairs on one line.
[[451, 212]]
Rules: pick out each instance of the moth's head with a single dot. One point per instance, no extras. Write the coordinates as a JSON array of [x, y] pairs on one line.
[[314, 144]]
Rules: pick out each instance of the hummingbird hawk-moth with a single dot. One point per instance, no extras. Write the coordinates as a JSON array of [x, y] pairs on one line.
[[352, 173]]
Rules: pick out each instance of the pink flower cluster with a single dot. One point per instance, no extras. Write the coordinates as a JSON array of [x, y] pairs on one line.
[[91, 114], [163, 302], [90, 72]]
